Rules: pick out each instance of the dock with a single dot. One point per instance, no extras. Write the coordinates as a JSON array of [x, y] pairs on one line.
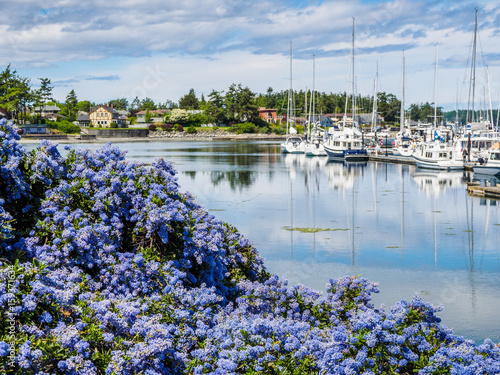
[[475, 189], [392, 159]]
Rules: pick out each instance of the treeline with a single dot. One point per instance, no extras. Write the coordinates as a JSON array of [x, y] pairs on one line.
[[237, 104]]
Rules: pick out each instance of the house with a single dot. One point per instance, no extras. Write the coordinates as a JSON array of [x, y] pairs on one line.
[[325, 121], [268, 115], [157, 115], [33, 128], [83, 119], [104, 117], [50, 112]]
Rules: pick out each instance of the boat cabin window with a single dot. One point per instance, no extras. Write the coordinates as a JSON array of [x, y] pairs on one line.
[[495, 156]]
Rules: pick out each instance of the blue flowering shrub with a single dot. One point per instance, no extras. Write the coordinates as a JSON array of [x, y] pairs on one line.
[[107, 268]]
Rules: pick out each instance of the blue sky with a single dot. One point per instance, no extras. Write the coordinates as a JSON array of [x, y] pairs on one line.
[[161, 49]]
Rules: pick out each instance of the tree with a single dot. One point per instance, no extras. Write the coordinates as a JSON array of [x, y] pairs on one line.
[[246, 106], [121, 103], [147, 116], [136, 103], [71, 102], [15, 93], [214, 108], [240, 103], [189, 101], [389, 107], [45, 90], [178, 116], [84, 106], [147, 103]]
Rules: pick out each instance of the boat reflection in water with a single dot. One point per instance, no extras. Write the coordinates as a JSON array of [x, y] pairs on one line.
[[434, 182], [341, 175]]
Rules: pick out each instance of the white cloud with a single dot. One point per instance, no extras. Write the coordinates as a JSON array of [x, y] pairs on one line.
[[240, 41]]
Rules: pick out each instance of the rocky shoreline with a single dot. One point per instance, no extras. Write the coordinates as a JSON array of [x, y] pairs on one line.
[[159, 135]]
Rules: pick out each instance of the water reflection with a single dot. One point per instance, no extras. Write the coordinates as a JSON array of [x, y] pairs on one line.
[[437, 182], [236, 179], [412, 230]]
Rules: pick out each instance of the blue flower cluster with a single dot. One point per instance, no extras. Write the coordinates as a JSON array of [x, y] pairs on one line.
[[107, 268]]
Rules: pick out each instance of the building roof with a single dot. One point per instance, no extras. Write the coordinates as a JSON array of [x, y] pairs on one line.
[[46, 107], [83, 118], [109, 109]]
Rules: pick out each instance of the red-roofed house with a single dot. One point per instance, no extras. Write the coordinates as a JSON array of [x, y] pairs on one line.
[[267, 114]]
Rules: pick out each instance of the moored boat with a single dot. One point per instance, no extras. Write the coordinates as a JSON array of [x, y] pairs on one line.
[[438, 155], [489, 165]]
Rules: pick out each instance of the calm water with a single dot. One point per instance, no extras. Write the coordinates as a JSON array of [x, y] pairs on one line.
[[412, 231]]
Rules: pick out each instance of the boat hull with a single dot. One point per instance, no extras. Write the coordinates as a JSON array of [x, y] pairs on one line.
[[446, 165], [293, 145], [315, 150], [347, 155], [484, 169]]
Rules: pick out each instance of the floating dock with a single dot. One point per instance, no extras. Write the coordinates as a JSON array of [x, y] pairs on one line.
[[475, 189], [392, 159]]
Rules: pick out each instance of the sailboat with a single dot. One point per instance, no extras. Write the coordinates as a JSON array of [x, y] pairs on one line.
[[293, 143], [314, 145], [477, 138], [347, 143]]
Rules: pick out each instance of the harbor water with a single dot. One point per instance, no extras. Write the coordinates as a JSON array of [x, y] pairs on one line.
[[412, 231]]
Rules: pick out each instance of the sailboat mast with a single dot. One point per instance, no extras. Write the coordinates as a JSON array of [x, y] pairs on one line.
[[289, 109], [374, 112], [472, 85], [307, 111], [402, 117], [353, 87], [489, 96], [435, 87], [314, 88]]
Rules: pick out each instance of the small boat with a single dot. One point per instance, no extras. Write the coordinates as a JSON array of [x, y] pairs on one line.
[[490, 165], [293, 145], [404, 146], [438, 155], [314, 145], [346, 144]]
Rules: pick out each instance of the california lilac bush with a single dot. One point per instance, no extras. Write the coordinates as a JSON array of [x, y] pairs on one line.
[[107, 268]]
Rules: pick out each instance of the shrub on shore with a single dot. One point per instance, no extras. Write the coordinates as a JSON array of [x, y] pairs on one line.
[[107, 268]]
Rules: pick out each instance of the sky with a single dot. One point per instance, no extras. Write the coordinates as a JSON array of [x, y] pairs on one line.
[[160, 49]]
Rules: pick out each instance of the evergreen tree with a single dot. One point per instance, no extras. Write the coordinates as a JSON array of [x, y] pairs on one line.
[[71, 103], [45, 90], [189, 101]]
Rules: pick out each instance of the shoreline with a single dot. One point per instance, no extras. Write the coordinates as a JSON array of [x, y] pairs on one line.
[[157, 138]]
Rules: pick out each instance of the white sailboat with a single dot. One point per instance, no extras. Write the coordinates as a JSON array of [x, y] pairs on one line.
[[293, 143], [314, 145], [403, 144]]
